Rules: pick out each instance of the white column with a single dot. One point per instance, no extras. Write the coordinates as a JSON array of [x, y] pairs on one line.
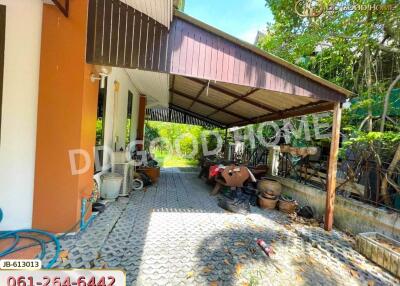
[[19, 117]]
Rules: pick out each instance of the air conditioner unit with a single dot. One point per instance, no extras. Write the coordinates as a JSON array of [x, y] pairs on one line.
[[125, 170]]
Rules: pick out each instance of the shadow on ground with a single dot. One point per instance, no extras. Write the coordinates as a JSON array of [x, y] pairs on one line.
[[232, 257]]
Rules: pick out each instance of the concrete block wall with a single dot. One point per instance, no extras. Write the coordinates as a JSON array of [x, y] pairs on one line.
[[349, 215]]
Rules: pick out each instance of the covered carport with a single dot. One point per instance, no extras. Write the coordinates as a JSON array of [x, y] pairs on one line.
[[213, 76]]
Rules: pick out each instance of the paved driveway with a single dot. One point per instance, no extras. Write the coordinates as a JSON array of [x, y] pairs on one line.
[[175, 234]]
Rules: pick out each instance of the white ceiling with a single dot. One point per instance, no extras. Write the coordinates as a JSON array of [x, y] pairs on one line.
[[159, 10], [152, 84]]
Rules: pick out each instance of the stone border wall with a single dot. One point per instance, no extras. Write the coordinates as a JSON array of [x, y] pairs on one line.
[[349, 215]]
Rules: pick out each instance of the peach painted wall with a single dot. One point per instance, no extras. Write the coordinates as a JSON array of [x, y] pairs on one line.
[[66, 118]]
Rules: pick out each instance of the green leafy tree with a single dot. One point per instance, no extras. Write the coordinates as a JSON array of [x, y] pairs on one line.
[[359, 50]]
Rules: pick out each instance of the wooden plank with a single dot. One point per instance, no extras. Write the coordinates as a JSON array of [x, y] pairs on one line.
[[98, 43], [91, 27], [2, 46], [214, 58], [202, 55], [157, 47], [332, 167], [107, 31], [320, 177], [122, 34], [150, 44], [189, 53], [143, 40], [129, 37], [136, 39], [166, 53], [114, 33]]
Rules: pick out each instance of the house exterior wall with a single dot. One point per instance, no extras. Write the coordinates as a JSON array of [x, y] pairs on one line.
[[20, 96], [66, 119], [116, 115]]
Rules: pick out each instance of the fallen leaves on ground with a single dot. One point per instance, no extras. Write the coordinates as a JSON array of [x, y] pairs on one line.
[[299, 279], [214, 283], [354, 273], [104, 265], [189, 275], [207, 269], [239, 243], [253, 250], [238, 269], [64, 255], [371, 283]]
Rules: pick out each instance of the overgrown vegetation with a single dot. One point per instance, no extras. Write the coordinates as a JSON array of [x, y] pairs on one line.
[[178, 145], [359, 50]]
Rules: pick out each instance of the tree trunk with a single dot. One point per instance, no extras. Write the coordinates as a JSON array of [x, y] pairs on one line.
[[389, 173], [369, 84], [386, 102]]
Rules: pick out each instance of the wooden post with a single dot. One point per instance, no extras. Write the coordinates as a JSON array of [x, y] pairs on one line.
[[141, 121], [332, 167], [226, 144]]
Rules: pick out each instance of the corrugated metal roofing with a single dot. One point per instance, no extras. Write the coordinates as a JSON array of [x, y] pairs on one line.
[[214, 74]]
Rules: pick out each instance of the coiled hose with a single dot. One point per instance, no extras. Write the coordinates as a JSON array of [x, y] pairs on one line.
[[18, 234]]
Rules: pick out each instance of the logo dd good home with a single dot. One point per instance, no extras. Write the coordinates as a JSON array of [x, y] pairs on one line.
[[315, 8]]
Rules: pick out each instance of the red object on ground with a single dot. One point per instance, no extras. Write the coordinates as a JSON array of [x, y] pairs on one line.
[[267, 249], [213, 171]]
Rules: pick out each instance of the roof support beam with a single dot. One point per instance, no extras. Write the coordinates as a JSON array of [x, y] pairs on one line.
[[198, 95], [211, 105], [196, 115], [171, 95], [236, 100], [63, 8], [309, 108], [236, 95]]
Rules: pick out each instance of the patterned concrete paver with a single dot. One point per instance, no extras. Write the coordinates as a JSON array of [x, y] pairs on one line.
[[175, 234]]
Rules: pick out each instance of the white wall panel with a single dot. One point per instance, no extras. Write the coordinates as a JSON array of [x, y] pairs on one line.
[[19, 117]]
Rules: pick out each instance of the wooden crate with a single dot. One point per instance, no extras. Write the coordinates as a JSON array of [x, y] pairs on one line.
[[152, 172]]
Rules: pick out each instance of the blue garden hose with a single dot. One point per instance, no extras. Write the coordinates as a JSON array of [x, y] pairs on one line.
[[17, 235]]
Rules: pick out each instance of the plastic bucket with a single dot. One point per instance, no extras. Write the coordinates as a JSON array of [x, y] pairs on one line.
[[111, 185]]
